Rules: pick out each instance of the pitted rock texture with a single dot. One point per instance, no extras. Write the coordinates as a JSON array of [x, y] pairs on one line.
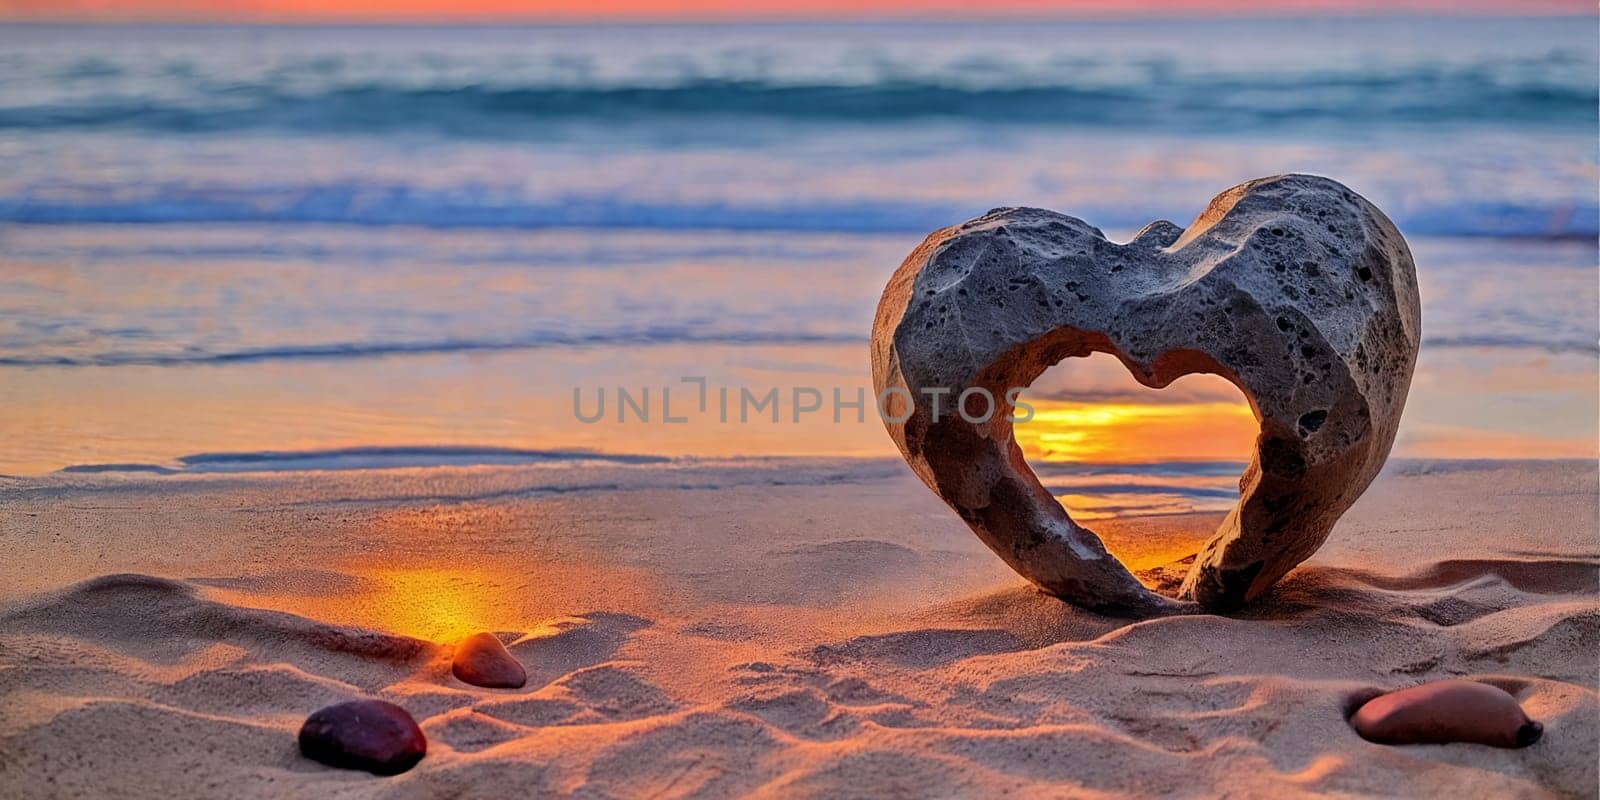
[[1294, 288]]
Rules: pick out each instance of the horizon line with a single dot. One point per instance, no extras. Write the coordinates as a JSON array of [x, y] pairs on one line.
[[944, 16], [730, 21]]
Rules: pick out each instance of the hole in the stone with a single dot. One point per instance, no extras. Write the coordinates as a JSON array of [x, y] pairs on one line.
[[1152, 471], [1311, 421]]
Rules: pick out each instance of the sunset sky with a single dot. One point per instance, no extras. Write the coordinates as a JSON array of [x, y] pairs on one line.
[[571, 10]]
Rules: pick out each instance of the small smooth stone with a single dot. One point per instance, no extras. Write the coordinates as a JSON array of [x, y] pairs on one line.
[[482, 660], [1444, 712], [370, 735]]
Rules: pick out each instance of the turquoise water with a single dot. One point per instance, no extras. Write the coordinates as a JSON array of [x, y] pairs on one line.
[[1457, 127]]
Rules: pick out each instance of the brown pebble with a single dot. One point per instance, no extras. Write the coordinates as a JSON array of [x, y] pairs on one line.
[[1444, 712], [370, 735], [482, 660]]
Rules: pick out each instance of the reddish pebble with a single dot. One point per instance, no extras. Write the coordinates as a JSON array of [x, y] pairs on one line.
[[482, 660], [370, 735], [1444, 712]]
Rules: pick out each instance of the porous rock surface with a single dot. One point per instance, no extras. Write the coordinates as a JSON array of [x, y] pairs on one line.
[[1294, 288]]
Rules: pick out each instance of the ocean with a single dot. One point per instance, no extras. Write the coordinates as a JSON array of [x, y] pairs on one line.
[[295, 248]]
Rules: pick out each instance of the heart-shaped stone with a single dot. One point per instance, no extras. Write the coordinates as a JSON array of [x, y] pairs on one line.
[[1294, 288]]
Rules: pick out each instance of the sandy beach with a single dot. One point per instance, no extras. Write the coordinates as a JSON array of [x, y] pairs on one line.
[[321, 323], [795, 628]]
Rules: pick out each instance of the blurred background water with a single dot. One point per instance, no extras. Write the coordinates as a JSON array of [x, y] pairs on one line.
[[245, 239]]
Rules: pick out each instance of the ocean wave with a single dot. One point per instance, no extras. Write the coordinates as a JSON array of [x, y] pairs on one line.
[[1180, 75], [453, 207], [661, 335], [369, 457], [378, 457], [1192, 492], [589, 257], [1557, 345], [1168, 469], [344, 350], [1194, 102], [361, 204], [1140, 490]]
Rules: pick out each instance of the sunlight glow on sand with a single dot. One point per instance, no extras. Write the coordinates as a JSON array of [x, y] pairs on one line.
[[435, 603], [432, 603], [442, 572]]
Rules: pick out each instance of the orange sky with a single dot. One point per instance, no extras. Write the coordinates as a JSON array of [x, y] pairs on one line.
[[488, 10]]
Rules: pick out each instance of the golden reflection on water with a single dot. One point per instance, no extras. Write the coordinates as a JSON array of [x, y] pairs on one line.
[[1459, 408], [1133, 432]]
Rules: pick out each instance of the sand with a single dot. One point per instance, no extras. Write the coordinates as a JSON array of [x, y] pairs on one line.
[[796, 628]]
